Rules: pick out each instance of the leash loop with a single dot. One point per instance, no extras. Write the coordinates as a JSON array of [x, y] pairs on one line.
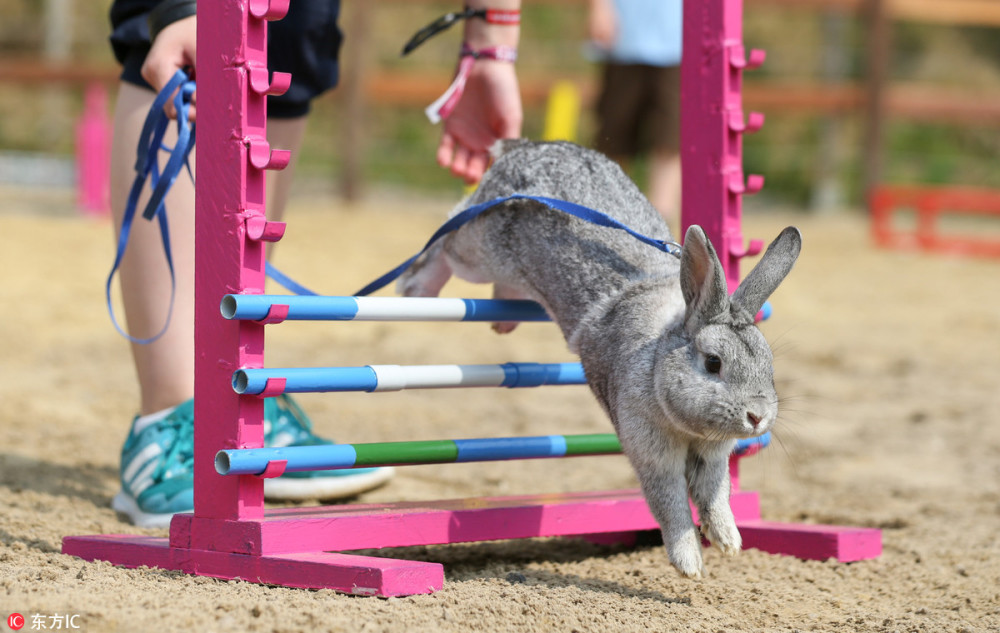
[[180, 88]]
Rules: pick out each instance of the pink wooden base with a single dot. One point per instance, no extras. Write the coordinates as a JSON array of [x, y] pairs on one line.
[[812, 542], [360, 575], [292, 546]]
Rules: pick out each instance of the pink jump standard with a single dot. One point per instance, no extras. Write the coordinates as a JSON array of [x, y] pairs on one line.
[[229, 535]]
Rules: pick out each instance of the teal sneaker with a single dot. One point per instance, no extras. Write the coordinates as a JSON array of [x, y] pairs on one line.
[[157, 467], [286, 424], [157, 464]]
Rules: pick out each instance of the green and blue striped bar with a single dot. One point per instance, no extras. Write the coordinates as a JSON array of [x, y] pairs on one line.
[[255, 461]]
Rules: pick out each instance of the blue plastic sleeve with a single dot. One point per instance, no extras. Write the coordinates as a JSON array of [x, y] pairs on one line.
[[303, 458], [300, 308], [307, 380], [744, 445], [509, 310], [537, 374], [510, 448]]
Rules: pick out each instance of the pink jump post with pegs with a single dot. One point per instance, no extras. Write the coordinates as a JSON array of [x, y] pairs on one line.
[[230, 535], [713, 188]]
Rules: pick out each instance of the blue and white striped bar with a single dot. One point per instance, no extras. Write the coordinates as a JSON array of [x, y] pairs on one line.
[[399, 377], [320, 308]]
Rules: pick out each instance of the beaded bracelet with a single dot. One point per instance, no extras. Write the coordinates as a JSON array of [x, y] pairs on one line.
[[443, 106]]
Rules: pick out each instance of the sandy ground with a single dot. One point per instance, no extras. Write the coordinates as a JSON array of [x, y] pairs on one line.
[[886, 363]]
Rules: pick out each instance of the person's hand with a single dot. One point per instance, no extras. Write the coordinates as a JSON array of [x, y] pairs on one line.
[[174, 48], [602, 24], [489, 110]]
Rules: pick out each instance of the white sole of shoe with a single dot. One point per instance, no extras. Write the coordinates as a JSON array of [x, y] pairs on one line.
[[124, 504], [277, 489]]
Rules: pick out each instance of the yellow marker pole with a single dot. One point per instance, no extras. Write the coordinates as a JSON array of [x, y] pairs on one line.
[[562, 114]]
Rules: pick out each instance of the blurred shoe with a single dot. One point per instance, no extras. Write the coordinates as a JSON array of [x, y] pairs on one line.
[[157, 467], [157, 464]]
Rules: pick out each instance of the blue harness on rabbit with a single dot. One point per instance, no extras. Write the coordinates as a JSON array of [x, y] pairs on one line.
[[147, 168]]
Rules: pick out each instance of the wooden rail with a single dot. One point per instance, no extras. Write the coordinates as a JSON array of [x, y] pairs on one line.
[[920, 102], [33, 72], [956, 12], [910, 101]]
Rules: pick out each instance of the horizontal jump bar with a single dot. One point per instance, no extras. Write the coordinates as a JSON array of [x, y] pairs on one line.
[[274, 381], [256, 461], [340, 456], [321, 308]]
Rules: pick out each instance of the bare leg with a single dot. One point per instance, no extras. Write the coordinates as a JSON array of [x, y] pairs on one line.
[[165, 368], [665, 184], [283, 134]]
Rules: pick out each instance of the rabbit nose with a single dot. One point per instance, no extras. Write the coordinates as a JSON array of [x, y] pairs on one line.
[[753, 419]]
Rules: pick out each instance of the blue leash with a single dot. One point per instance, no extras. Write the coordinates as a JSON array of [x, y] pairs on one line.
[[571, 208], [147, 168], [466, 216]]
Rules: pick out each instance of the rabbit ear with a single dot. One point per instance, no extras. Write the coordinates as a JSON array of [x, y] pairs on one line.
[[703, 282], [769, 271]]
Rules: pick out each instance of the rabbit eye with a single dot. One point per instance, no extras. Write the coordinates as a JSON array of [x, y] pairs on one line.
[[713, 364]]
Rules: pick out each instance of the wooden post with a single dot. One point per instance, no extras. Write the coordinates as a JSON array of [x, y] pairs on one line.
[[56, 49], [828, 189], [353, 127], [878, 47]]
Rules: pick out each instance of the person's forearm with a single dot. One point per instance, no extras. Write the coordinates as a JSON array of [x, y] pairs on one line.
[[480, 33]]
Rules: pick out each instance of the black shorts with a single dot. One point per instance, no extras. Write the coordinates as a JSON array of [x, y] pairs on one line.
[[306, 43], [638, 109]]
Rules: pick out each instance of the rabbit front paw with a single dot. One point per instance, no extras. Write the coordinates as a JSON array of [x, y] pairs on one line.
[[424, 282], [685, 556], [725, 535], [505, 292], [427, 275], [410, 287], [504, 327]]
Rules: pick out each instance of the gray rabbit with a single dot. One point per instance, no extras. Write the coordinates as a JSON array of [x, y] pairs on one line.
[[674, 360]]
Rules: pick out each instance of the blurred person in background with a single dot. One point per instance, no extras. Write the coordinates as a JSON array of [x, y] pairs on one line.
[[638, 108]]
